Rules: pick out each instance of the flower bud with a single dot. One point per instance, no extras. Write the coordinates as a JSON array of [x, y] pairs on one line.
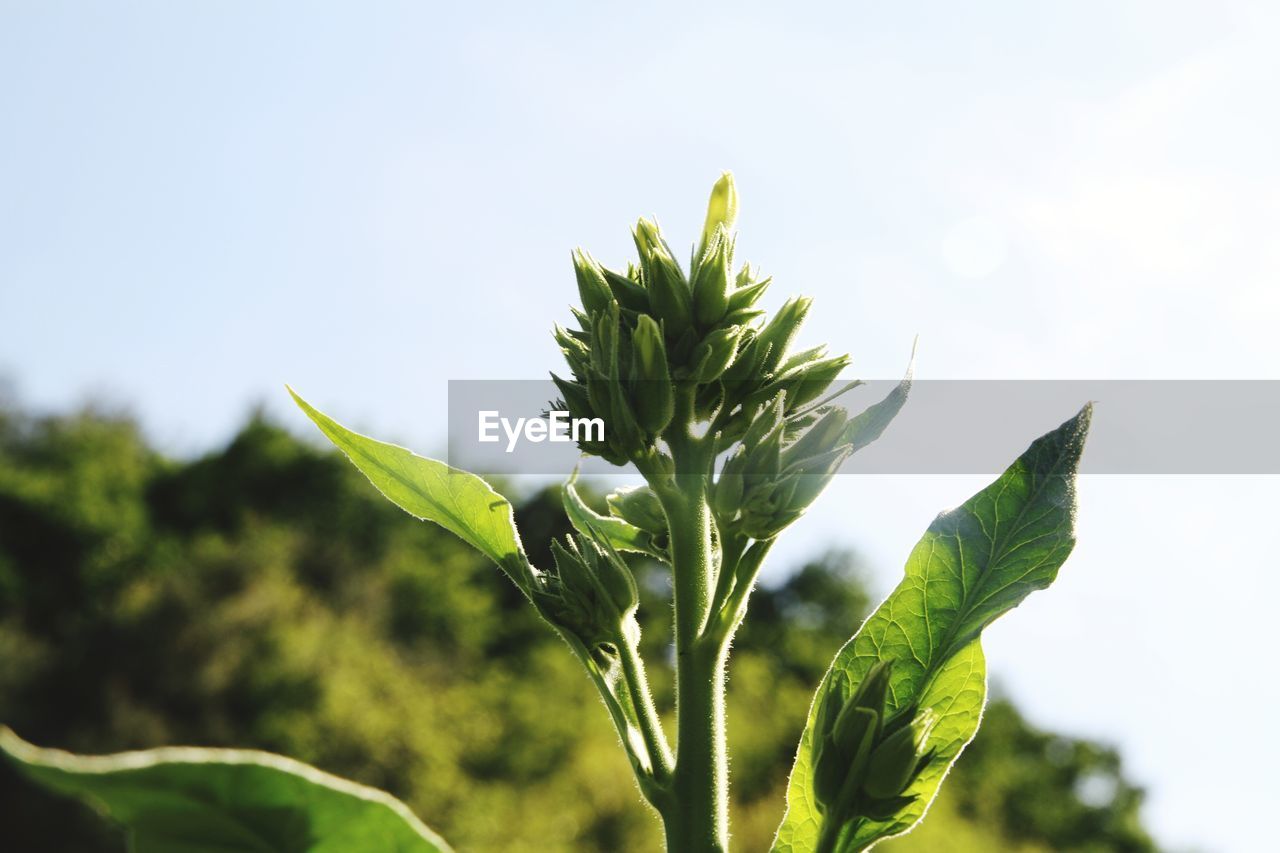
[[802, 358], [841, 766], [617, 581], [809, 382], [712, 356], [768, 421], [574, 396], [813, 475], [598, 392], [823, 435], [722, 210], [624, 431], [595, 591], [895, 760], [741, 376], [577, 352], [708, 400], [729, 487], [640, 508], [654, 397], [629, 292], [569, 599], [874, 688], [851, 726], [776, 336], [711, 283], [576, 399], [828, 773], [584, 322], [747, 292], [741, 317], [592, 287], [670, 299], [765, 459], [605, 334]]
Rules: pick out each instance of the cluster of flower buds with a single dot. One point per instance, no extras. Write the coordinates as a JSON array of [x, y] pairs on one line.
[[643, 334], [592, 594], [864, 762], [781, 465], [763, 370]]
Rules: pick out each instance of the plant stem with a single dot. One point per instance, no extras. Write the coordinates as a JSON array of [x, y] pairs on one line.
[[646, 714], [700, 783], [697, 818]]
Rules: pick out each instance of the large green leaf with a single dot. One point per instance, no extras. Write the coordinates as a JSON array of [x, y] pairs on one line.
[[456, 500], [974, 563], [189, 800]]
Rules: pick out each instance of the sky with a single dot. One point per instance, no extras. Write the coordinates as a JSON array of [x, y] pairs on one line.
[[202, 201]]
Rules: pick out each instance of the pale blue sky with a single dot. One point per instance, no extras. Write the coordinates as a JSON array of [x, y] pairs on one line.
[[201, 201]]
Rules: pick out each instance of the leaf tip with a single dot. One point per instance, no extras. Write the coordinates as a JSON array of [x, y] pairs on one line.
[[1078, 426]]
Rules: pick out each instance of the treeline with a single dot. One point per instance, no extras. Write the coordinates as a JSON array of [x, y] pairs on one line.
[[265, 596]]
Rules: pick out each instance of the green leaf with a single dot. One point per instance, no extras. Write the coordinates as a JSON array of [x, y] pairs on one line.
[[974, 563], [619, 533], [190, 800], [458, 501]]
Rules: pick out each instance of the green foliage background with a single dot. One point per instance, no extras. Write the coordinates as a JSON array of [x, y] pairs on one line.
[[265, 596]]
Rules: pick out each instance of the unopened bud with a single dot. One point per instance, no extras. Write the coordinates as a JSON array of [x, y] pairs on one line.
[[729, 487], [592, 287], [574, 396], [776, 336], [574, 346], [874, 687], [842, 764], [748, 291], [629, 292], [767, 422], [851, 726], [670, 298], [605, 334], [722, 209], [618, 582], [812, 476], [711, 284], [800, 359], [712, 356], [828, 773], [639, 507], [654, 397], [809, 382], [895, 760], [624, 431], [823, 435], [597, 590]]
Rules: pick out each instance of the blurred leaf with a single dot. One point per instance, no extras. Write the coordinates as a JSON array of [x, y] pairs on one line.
[[456, 500], [870, 424], [974, 563], [190, 800]]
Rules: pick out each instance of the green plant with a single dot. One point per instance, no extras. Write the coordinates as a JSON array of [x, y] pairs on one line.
[[735, 436]]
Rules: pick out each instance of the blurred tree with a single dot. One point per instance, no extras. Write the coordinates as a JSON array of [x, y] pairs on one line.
[[266, 596]]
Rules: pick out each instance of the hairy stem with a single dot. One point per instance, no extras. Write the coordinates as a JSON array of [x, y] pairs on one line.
[[700, 783], [697, 818], [646, 715]]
